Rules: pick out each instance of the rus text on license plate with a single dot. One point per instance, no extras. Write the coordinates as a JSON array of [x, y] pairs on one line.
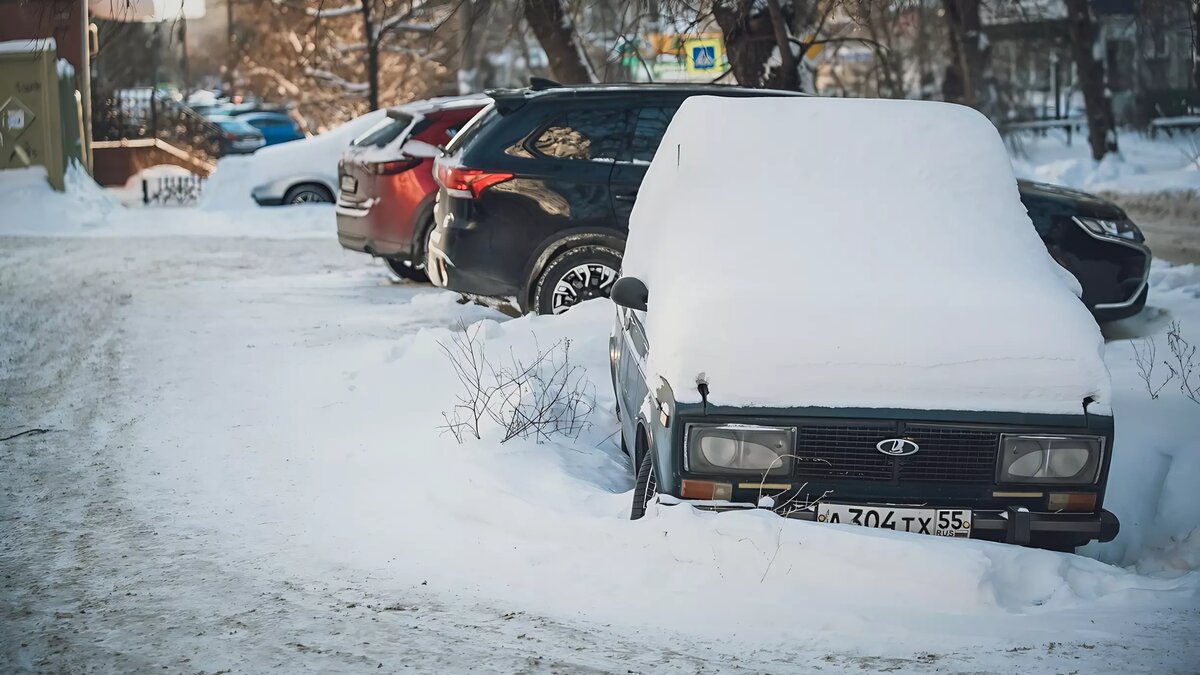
[[940, 522]]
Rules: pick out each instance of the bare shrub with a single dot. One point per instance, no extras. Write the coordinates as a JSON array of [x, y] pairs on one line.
[[543, 397], [1144, 358], [466, 353], [1185, 366]]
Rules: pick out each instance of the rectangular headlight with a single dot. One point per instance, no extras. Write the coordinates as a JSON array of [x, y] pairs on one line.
[[739, 449], [1071, 460]]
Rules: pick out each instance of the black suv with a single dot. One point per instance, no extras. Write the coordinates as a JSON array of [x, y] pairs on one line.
[[535, 195]]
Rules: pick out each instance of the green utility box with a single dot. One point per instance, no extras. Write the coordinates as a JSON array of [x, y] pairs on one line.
[[35, 120]]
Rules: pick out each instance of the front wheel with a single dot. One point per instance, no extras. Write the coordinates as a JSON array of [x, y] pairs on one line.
[[645, 489], [576, 276], [308, 193]]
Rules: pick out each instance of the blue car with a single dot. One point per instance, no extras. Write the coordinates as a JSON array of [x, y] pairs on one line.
[[275, 127], [237, 137]]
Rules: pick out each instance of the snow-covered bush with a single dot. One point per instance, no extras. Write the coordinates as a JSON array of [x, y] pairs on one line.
[[538, 398]]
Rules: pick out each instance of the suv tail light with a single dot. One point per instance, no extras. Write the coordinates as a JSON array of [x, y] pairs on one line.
[[395, 166], [468, 183]]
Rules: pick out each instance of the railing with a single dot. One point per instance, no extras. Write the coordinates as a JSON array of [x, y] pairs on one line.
[[141, 113], [172, 190]]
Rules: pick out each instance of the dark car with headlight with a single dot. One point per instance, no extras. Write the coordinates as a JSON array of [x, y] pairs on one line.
[[1097, 242], [937, 377]]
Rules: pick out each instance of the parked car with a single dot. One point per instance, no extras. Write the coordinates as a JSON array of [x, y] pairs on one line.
[[237, 137], [536, 194], [276, 127], [1097, 242], [934, 375], [385, 203], [304, 171]]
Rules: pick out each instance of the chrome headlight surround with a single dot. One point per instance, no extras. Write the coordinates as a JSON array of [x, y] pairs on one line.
[[1110, 228], [739, 449], [1050, 459]]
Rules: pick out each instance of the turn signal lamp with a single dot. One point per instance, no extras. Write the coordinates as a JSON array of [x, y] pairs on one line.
[[706, 489]]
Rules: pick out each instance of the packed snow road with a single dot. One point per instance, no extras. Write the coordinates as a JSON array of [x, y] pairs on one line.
[[229, 461], [100, 576]]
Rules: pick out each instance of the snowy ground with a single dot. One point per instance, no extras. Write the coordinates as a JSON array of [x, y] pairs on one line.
[[242, 472]]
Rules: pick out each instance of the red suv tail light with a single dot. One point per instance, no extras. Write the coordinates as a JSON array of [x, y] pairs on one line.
[[395, 166], [468, 183]]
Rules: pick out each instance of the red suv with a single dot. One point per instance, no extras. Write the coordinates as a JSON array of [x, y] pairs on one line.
[[386, 186]]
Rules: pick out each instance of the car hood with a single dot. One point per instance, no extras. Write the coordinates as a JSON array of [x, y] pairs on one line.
[[1079, 203]]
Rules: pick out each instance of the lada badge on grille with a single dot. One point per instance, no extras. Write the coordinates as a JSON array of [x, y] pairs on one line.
[[897, 447]]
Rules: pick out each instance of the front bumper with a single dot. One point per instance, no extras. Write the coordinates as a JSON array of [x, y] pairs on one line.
[[1011, 526]]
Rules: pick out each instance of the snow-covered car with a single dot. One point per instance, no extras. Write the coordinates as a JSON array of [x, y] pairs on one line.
[[299, 172], [894, 347]]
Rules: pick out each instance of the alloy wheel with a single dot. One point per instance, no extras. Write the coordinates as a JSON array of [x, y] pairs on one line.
[[308, 197], [581, 283]]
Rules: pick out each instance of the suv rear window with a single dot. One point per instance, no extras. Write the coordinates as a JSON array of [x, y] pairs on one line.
[[472, 128], [583, 134], [386, 132]]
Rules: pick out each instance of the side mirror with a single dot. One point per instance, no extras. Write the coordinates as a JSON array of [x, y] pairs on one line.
[[630, 292]]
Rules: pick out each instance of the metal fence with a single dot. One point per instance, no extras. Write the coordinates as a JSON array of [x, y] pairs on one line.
[[139, 113], [172, 190]]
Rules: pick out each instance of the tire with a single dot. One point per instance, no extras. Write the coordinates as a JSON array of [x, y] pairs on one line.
[[307, 193], [645, 488], [579, 274], [403, 269]]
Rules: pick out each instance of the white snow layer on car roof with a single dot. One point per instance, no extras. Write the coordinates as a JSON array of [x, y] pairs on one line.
[[853, 253]]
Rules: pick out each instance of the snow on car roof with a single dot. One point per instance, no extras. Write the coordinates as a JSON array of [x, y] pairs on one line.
[[853, 253]]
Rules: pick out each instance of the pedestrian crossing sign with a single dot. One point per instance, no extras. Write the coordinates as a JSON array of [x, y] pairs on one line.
[[704, 55]]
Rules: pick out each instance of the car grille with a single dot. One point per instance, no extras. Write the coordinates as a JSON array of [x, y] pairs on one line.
[[947, 453]]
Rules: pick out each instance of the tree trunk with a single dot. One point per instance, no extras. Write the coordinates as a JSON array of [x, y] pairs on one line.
[[1196, 44], [1102, 134], [789, 66], [471, 53], [372, 41], [556, 33], [750, 38], [969, 80]]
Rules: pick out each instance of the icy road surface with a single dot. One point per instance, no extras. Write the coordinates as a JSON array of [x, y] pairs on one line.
[[240, 472]]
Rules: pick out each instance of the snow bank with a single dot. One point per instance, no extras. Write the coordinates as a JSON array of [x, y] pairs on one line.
[[861, 283], [1161, 164], [30, 207], [317, 157], [322, 453], [1156, 453]]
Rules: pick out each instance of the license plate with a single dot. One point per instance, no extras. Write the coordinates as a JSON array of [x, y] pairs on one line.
[[939, 522], [349, 184]]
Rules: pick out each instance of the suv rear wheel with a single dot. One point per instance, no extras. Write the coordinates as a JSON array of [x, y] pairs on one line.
[[580, 274], [406, 270]]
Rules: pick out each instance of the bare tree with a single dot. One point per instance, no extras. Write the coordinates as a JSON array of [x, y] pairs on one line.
[[1102, 134], [969, 78], [556, 33]]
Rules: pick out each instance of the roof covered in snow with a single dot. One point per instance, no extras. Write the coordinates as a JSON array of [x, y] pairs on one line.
[[853, 253]]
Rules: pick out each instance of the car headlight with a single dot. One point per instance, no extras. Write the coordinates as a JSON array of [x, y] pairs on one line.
[[739, 448], [1119, 229], [1050, 459]]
